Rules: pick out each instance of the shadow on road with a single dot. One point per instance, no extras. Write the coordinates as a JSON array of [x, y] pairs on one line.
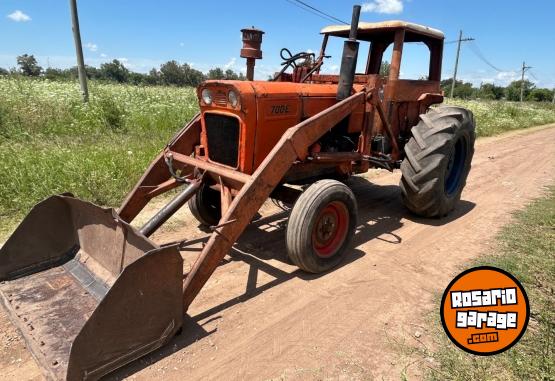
[[381, 214]]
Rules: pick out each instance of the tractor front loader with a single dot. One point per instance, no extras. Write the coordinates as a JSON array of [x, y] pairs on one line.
[[91, 293]]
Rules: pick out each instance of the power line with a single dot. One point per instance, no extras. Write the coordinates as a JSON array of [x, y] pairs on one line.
[[315, 11], [533, 76], [321, 12], [476, 50]]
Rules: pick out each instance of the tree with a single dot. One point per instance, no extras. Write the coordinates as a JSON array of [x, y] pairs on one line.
[[384, 69], [193, 77], [4, 71], [216, 73], [172, 73], [462, 89], [230, 74], [513, 90], [114, 71], [541, 95], [93, 72], [153, 77], [28, 65], [490, 91], [138, 78], [54, 74]]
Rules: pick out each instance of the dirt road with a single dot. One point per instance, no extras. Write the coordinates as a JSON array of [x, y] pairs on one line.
[[260, 318]]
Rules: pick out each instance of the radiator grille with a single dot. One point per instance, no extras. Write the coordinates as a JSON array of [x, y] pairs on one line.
[[220, 98], [222, 133]]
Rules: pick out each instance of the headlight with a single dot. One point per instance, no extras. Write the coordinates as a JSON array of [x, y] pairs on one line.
[[233, 98], [206, 96]]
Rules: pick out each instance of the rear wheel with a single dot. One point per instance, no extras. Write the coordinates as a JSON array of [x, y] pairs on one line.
[[205, 206], [321, 226], [437, 161]]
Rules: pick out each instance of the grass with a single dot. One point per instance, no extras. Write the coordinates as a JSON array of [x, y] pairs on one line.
[[495, 117], [50, 142], [526, 250]]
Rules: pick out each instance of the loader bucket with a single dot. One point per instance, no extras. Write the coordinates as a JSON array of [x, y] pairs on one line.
[[88, 292]]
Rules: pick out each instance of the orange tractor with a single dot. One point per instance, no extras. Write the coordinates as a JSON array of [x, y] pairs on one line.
[[90, 293]]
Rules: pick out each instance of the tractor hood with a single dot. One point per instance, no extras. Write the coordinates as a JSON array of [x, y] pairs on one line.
[[266, 89], [255, 114]]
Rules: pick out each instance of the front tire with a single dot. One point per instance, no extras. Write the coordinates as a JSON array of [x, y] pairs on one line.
[[321, 226], [206, 206], [437, 161]]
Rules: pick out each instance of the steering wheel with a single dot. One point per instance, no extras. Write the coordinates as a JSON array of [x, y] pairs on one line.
[[290, 60]]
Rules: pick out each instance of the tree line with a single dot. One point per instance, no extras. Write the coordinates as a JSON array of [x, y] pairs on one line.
[[466, 90], [176, 74], [169, 73]]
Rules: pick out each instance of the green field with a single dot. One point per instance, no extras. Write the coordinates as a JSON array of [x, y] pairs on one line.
[[495, 117], [50, 142]]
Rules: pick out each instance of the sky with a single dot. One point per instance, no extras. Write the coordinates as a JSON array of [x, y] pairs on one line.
[[206, 34]]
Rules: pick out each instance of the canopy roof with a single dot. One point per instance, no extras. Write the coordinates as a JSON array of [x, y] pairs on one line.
[[369, 30]]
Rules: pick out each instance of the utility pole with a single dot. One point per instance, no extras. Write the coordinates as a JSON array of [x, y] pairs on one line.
[[79, 50], [461, 39], [524, 68]]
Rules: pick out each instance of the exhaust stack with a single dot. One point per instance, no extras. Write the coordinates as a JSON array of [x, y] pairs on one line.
[[349, 59], [252, 41]]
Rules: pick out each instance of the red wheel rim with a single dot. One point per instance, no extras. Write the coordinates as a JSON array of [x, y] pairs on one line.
[[330, 230]]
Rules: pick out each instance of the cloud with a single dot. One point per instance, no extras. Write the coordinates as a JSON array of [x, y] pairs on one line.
[[330, 68], [182, 44], [507, 76], [103, 55], [19, 16], [383, 6], [477, 77], [92, 47], [230, 64]]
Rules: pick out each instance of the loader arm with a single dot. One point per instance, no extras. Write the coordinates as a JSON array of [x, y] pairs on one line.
[[292, 146], [156, 179]]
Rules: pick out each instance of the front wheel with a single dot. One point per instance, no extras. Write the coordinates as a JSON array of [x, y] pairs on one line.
[[205, 206], [321, 226]]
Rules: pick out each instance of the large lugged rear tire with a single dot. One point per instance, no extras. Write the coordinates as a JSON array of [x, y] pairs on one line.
[[437, 161], [205, 206], [321, 226]]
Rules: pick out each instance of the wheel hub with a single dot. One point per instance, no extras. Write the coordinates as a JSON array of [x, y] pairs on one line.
[[330, 229], [326, 226]]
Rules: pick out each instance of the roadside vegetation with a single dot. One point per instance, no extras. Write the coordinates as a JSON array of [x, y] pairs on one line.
[[526, 250], [50, 142], [495, 117]]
